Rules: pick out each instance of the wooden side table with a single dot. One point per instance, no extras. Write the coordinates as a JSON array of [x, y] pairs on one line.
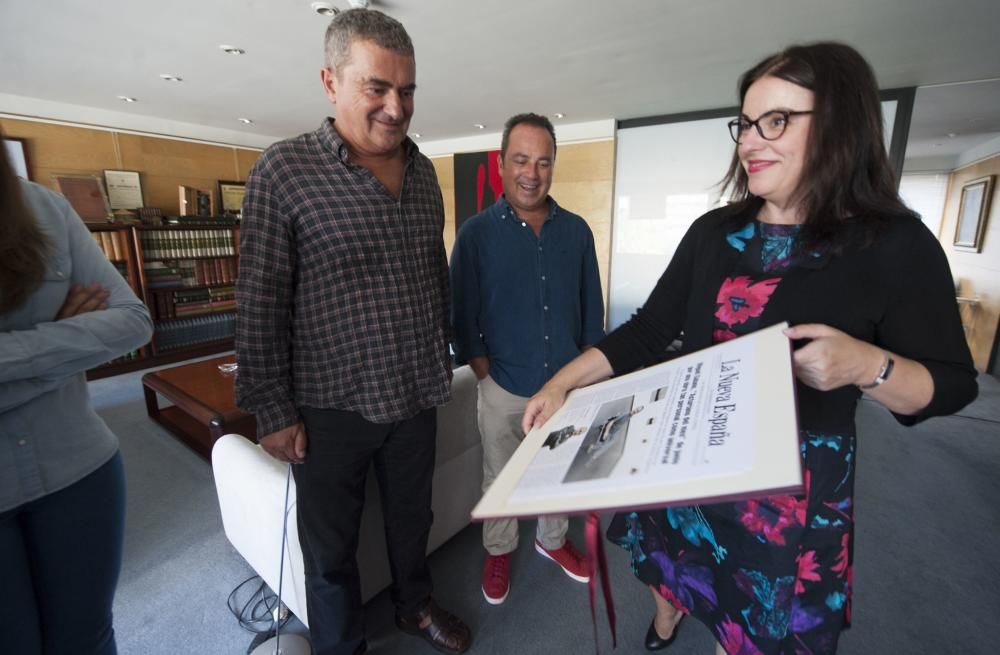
[[204, 403]]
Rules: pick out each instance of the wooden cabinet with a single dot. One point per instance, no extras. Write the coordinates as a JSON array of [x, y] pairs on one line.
[[186, 276]]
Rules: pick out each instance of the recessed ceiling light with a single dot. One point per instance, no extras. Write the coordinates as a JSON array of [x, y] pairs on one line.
[[171, 78], [245, 121], [127, 99], [559, 114], [479, 126], [232, 50], [952, 135], [417, 135], [324, 8]]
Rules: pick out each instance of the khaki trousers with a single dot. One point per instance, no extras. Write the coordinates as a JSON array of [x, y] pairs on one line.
[[500, 414]]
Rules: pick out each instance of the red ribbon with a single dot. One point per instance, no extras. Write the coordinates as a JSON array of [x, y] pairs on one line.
[[597, 563]]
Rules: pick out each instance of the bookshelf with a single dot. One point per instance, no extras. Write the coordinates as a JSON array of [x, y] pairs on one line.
[[186, 276], [116, 243]]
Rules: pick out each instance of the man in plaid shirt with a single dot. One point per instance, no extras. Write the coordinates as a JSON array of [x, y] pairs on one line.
[[342, 330]]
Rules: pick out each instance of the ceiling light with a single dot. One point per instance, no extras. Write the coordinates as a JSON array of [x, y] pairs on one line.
[[559, 114], [952, 135], [232, 50], [171, 78], [245, 121], [479, 126], [417, 135], [127, 99], [324, 8]]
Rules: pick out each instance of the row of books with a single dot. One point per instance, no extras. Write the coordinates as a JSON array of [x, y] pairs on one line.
[[172, 244], [168, 274], [195, 302], [225, 292], [112, 244], [185, 332], [230, 219]]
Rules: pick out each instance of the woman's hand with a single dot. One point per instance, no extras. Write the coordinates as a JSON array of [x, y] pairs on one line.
[[542, 406], [833, 359], [83, 298], [590, 366]]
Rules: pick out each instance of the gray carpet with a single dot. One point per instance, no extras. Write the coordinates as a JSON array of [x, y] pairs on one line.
[[926, 574]]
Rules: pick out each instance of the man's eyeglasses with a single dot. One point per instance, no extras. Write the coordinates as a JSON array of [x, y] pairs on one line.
[[770, 125]]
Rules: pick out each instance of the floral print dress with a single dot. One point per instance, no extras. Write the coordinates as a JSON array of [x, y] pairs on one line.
[[771, 575]]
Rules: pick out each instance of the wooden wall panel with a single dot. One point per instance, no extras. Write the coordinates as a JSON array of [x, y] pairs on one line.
[[445, 169], [583, 183], [244, 162], [165, 164], [63, 149], [978, 273]]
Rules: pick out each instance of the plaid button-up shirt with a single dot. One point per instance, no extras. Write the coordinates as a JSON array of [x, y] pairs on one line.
[[342, 296]]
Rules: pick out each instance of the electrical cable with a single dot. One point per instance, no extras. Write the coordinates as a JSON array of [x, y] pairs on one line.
[[281, 566], [258, 613]]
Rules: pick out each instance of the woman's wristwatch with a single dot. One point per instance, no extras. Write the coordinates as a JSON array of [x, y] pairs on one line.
[[883, 374]]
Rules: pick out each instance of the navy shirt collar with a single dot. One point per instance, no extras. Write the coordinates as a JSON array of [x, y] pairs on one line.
[[503, 208]]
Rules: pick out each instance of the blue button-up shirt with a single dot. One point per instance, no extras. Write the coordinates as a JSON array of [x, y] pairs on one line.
[[50, 437], [529, 303]]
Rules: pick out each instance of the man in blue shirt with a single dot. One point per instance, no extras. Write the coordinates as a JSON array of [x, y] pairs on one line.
[[526, 299]]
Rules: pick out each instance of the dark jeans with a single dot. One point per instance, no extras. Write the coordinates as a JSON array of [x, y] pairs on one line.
[[60, 556], [330, 488]]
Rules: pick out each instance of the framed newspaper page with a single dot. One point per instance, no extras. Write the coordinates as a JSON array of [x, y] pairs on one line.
[[716, 425]]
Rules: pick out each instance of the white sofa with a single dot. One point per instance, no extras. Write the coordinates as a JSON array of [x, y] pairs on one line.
[[251, 488]]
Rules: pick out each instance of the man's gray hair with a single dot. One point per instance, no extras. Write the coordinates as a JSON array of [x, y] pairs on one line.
[[363, 25]]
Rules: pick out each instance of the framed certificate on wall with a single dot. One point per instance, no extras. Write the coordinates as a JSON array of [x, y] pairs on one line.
[[124, 190], [231, 194]]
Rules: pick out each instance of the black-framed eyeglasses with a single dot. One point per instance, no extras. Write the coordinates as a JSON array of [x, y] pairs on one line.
[[770, 125]]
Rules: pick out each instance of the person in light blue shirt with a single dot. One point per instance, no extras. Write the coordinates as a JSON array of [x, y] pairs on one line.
[[63, 309], [526, 299]]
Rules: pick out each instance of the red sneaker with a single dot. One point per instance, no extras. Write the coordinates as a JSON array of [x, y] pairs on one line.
[[496, 578], [572, 562]]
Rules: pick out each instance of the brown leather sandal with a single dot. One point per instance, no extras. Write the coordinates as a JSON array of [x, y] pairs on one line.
[[444, 631]]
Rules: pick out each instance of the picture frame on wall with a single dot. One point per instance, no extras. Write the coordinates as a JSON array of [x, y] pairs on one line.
[[86, 195], [124, 189], [231, 195], [973, 212], [17, 154]]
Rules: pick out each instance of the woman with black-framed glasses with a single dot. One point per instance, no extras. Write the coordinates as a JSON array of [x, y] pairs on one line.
[[817, 236]]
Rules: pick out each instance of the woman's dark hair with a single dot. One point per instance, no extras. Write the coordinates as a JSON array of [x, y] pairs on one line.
[[846, 176], [23, 246]]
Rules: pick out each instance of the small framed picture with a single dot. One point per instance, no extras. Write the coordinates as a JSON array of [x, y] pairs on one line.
[[973, 211], [17, 154], [231, 194], [86, 195], [124, 190]]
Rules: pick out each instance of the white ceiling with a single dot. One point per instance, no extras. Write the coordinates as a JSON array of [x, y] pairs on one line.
[[950, 121], [478, 61]]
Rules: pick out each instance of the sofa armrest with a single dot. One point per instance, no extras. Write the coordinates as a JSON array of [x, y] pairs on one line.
[[251, 489]]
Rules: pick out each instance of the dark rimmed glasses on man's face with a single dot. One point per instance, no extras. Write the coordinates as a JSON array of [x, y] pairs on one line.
[[770, 125]]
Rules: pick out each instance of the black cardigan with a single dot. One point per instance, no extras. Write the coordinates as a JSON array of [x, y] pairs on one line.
[[897, 292]]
